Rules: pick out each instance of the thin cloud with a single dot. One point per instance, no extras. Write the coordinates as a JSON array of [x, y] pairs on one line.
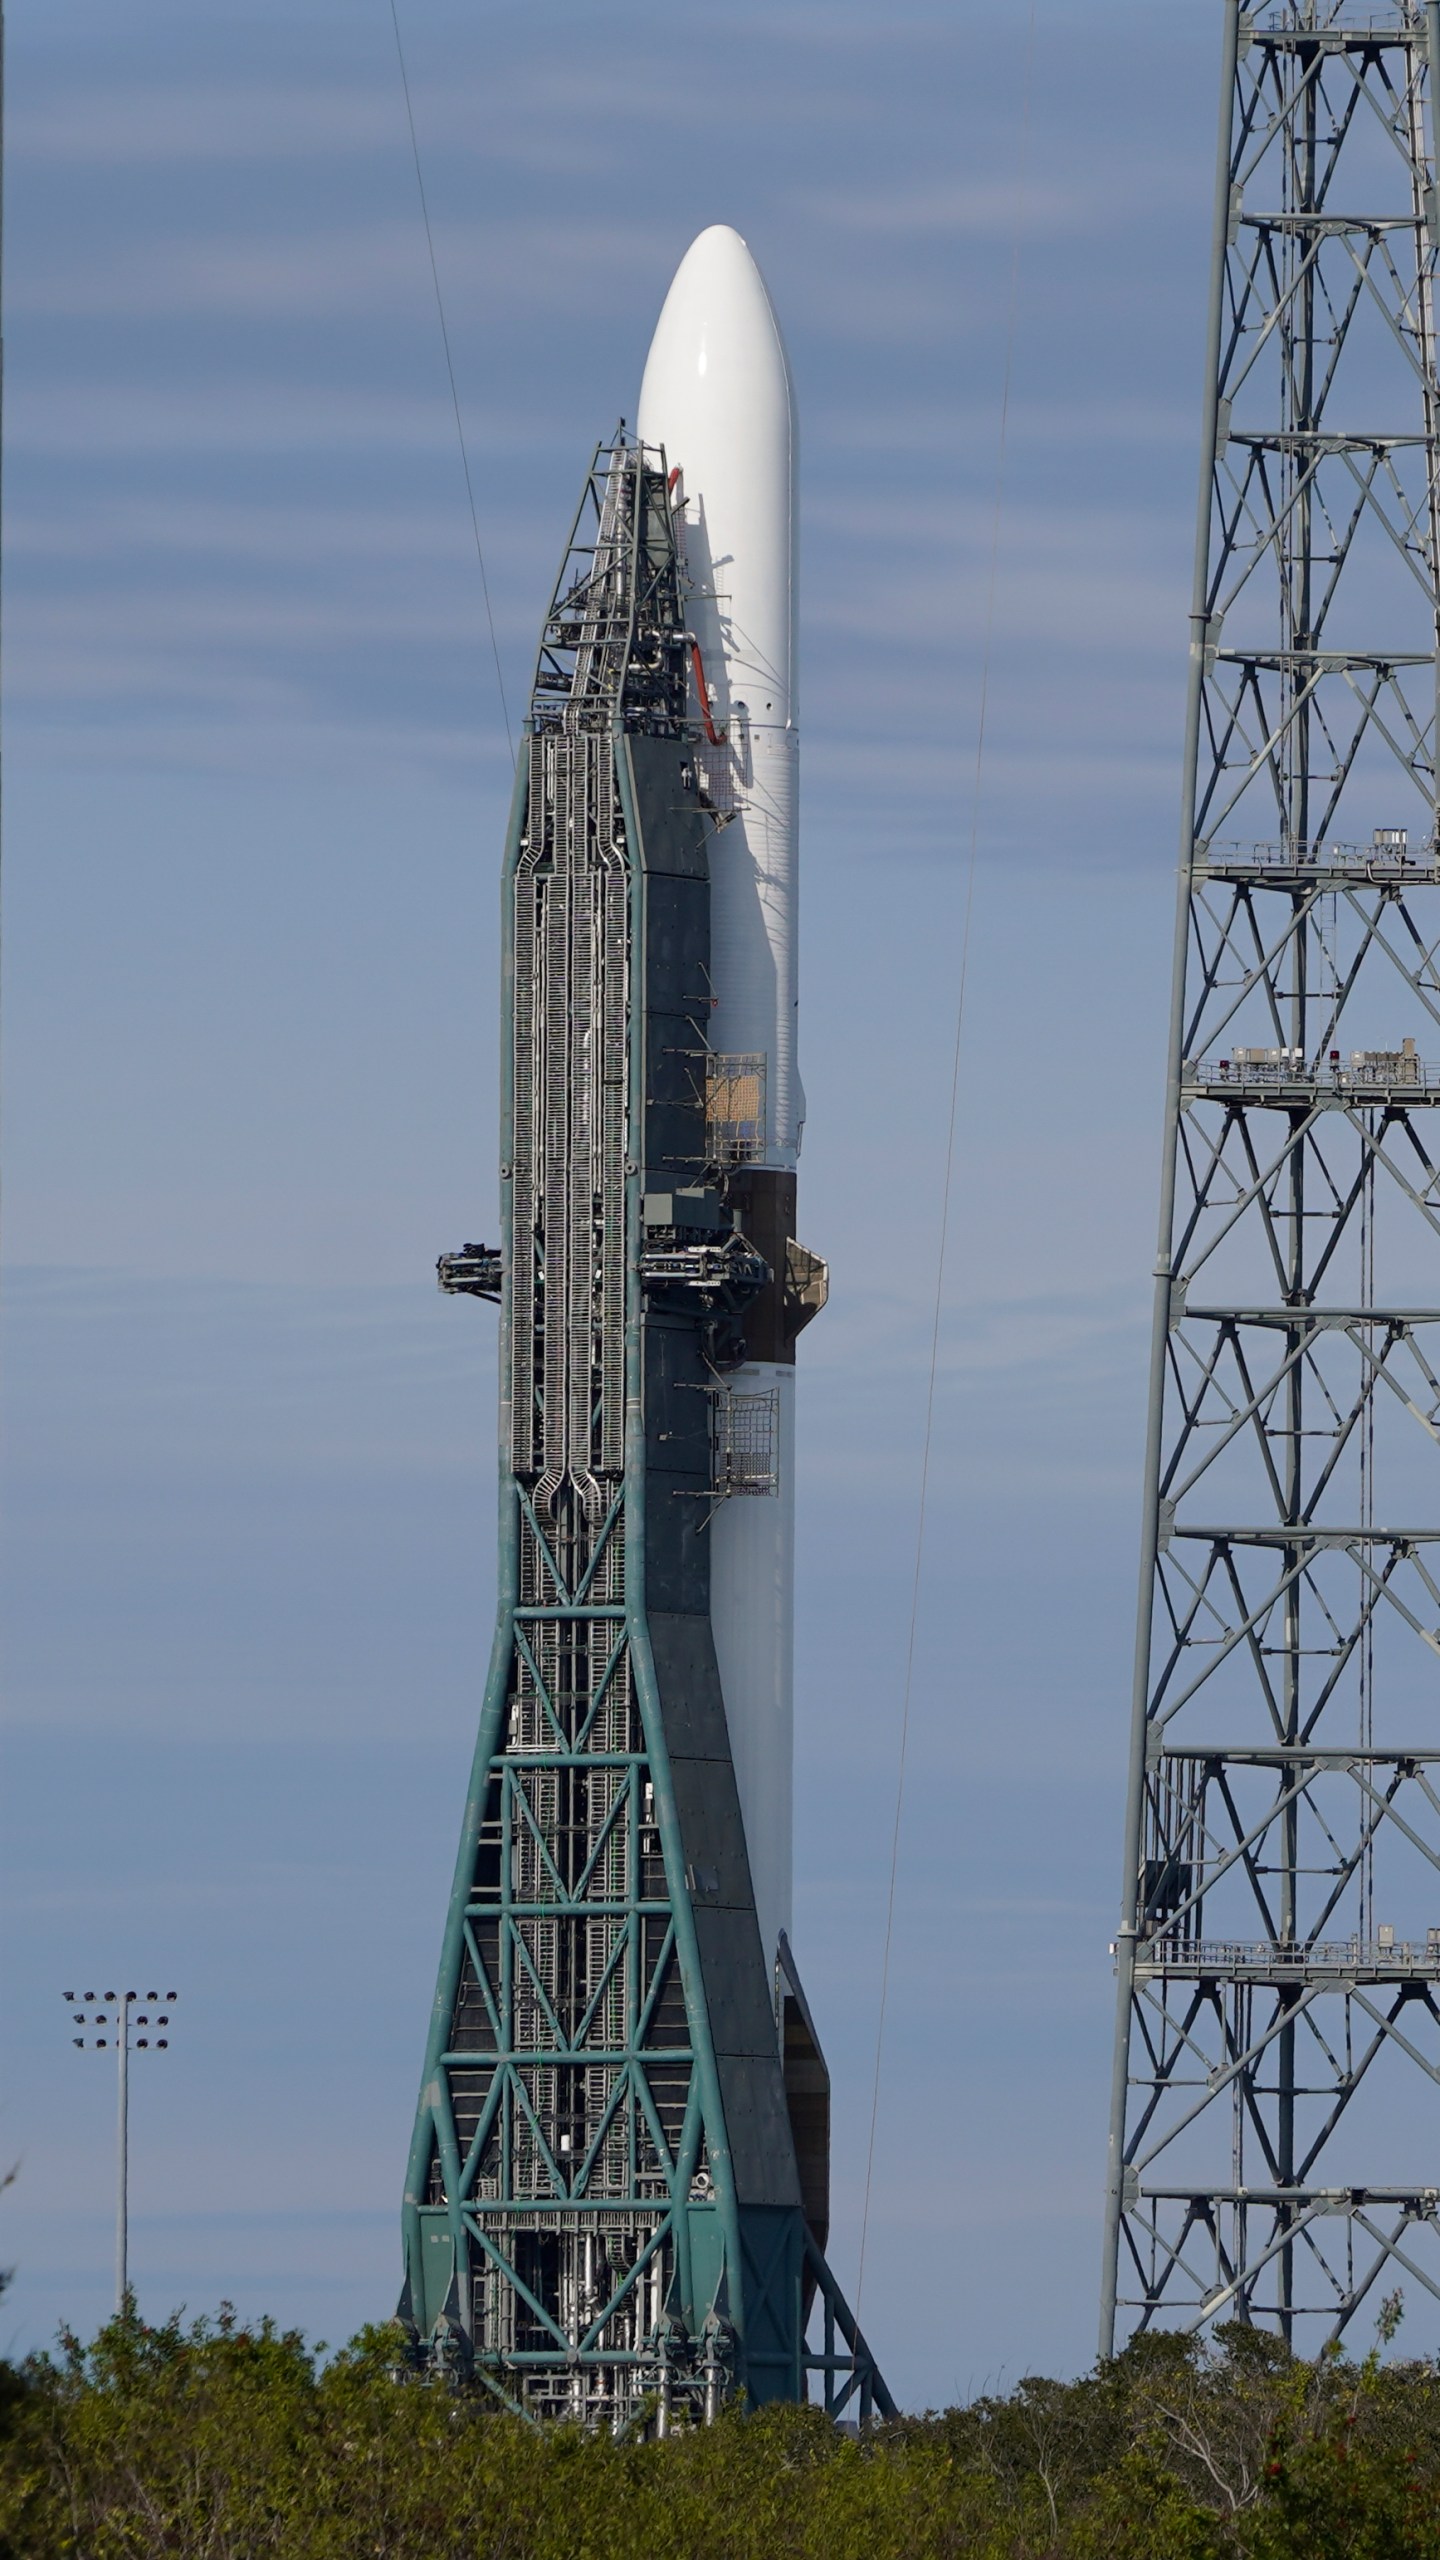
[[340, 271], [998, 205], [146, 128], [112, 421]]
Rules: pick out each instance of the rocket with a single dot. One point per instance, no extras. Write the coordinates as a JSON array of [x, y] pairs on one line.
[[716, 396], [617, 2197]]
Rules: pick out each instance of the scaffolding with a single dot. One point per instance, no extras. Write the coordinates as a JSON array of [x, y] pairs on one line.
[[605, 2217], [1273, 2151]]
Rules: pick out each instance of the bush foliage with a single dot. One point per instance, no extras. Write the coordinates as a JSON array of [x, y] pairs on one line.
[[216, 2441]]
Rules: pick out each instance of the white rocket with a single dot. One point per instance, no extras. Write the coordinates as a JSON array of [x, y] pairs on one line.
[[716, 395]]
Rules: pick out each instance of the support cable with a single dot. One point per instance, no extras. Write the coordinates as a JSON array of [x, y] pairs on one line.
[[997, 503], [450, 370]]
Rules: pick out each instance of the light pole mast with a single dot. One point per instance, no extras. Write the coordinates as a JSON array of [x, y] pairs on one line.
[[1273, 2154], [122, 2157], [108, 2023]]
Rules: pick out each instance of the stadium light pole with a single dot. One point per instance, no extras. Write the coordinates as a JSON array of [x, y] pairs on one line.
[[107, 2020]]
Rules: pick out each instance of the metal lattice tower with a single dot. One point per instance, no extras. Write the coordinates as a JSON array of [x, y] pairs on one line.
[[1275, 2140], [617, 2194]]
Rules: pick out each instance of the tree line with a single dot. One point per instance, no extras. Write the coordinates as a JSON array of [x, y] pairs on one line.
[[221, 2440]]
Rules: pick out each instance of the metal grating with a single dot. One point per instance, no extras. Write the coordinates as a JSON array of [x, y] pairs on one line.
[[747, 1441], [735, 1107]]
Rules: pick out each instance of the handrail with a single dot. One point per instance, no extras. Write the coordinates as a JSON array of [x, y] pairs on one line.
[[1322, 1955], [1368, 1071], [1398, 861]]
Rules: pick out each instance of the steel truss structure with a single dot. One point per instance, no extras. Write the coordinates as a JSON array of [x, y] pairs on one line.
[[616, 2199], [1275, 2140]]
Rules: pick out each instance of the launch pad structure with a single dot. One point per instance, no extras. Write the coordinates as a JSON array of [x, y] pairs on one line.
[[617, 2198], [1273, 2143]]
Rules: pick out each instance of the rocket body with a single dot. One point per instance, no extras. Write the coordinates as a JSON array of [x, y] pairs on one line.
[[716, 395]]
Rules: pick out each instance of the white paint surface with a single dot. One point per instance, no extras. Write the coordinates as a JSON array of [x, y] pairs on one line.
[[716, 395]]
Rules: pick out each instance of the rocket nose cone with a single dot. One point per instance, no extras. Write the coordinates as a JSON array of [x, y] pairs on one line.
[[716, 398], [717, 339]]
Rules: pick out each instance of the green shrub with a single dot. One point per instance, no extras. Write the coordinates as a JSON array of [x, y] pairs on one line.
[[217, 2441]]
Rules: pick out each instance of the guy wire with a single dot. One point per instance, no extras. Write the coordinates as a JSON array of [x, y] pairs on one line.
[[1022, 163], [450, 370]]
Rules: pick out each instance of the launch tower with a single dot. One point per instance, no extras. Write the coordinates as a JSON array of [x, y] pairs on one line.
[[1275, 2146], [617, 2193]]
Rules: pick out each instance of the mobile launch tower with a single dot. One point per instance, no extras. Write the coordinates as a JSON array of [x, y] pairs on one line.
[[1275, 2140], [617, 2198]]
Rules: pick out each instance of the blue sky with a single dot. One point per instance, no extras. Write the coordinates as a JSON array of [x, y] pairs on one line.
[[255, 778]]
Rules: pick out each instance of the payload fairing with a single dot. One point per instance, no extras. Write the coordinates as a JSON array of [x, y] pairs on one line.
[[617, 2198], [716, 399]]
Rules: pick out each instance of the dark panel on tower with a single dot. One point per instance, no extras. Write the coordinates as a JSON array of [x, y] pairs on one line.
[[605, 2210]]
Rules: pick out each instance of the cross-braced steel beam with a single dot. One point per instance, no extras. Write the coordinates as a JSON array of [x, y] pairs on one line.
[[1276, 2099], [612, 2210]]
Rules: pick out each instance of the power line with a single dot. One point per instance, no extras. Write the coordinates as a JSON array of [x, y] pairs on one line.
[[450, 370], [995, 518]]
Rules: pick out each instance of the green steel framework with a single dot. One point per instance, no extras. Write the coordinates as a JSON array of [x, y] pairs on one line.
[[1275, 2140], [614, 2208]]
